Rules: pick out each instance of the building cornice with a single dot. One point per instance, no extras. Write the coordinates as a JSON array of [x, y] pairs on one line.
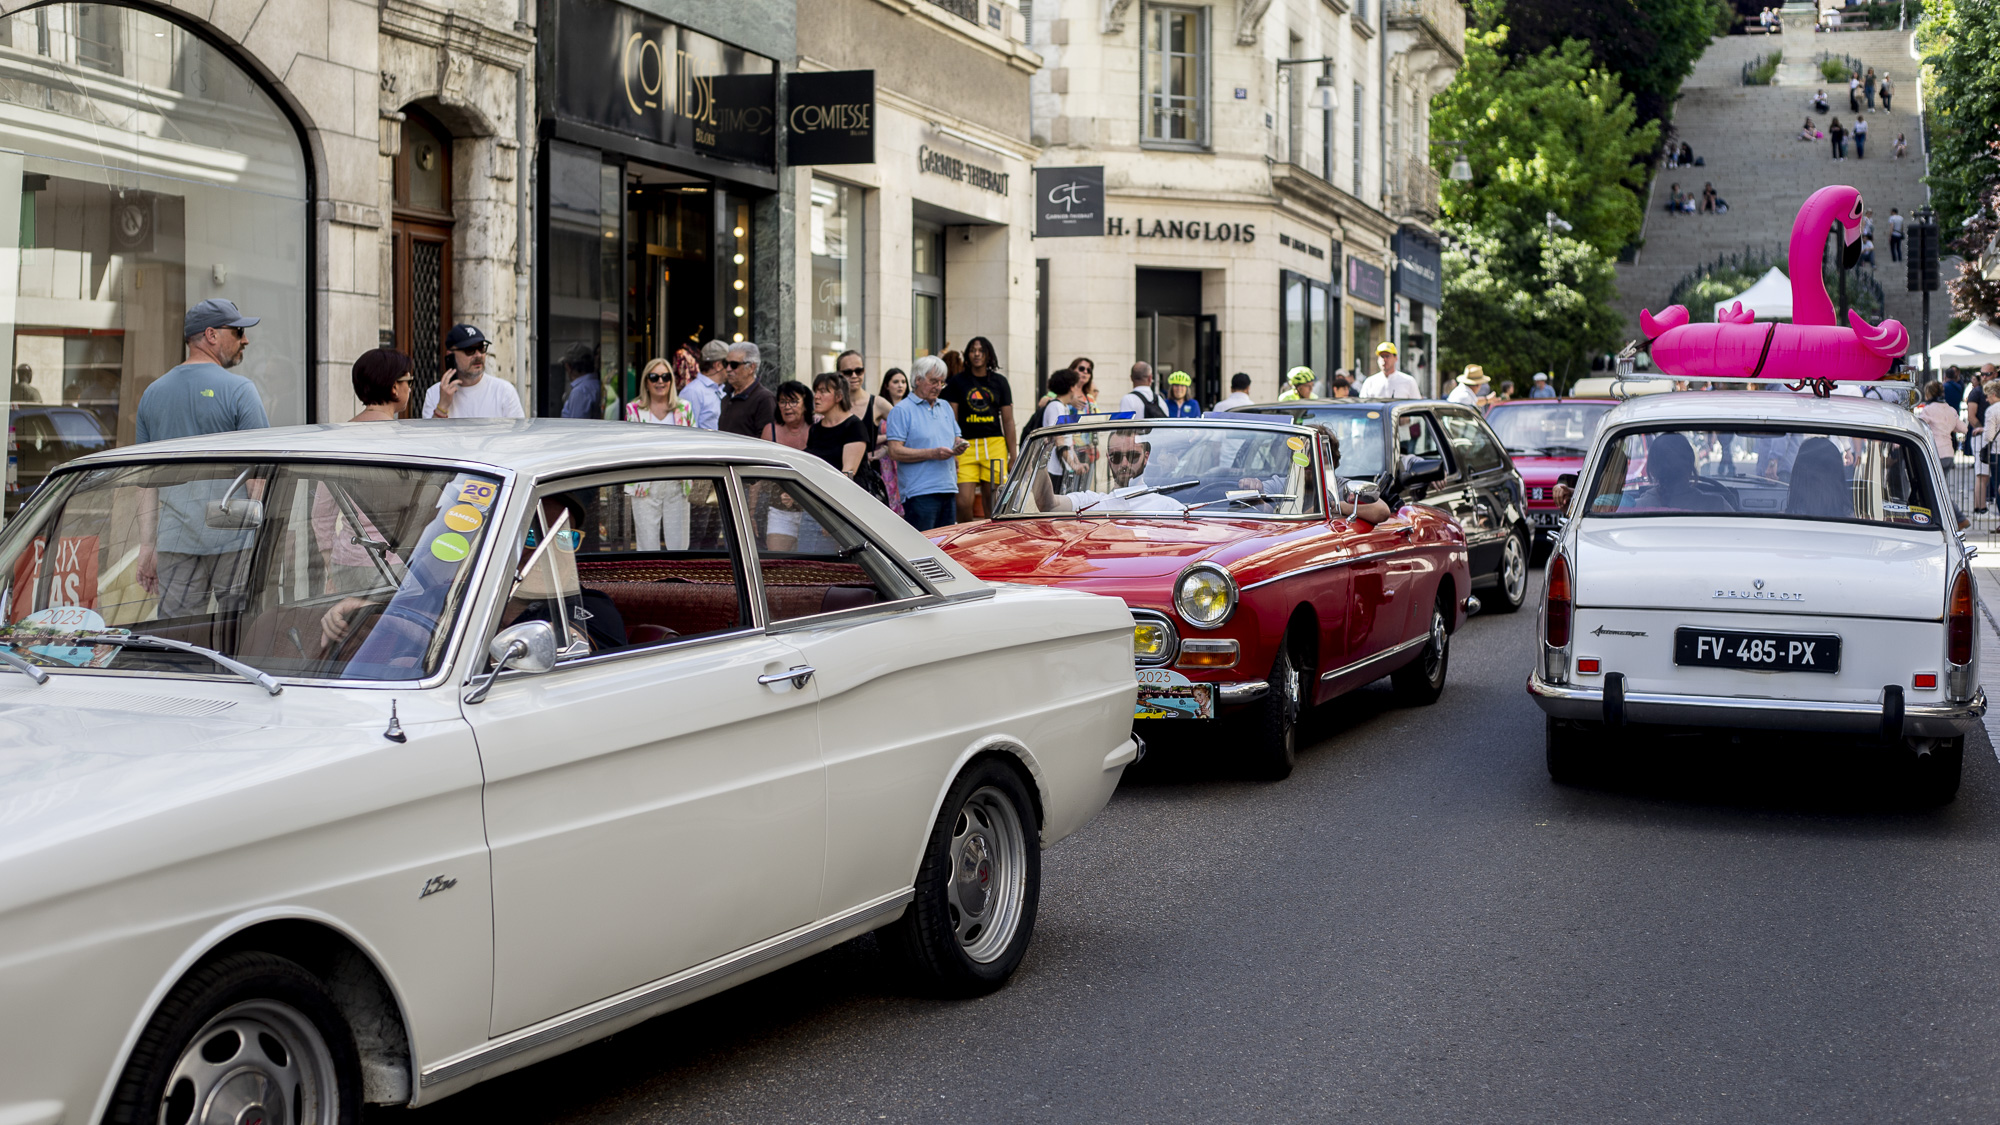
[[1014, 54], [1291, 182], [511, 49]]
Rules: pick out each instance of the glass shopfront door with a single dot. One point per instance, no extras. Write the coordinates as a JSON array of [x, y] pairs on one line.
[[1173, 334]]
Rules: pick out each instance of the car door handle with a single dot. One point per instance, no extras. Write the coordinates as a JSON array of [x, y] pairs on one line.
[[798, 674]]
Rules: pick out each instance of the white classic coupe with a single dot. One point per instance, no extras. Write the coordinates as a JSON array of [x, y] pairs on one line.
[[1761, 560], [358, 764]]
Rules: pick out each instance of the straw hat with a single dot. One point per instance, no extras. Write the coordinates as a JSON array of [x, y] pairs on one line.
[[1474, 376]]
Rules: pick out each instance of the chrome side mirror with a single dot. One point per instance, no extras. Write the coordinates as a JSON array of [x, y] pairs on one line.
[[528, 647], [232, 513]]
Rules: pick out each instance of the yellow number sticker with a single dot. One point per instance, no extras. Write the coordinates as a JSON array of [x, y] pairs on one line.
[[478, 493]]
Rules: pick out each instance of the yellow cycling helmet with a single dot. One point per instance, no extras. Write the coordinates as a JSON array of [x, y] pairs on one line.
[[1300, 375], [1180, 379]]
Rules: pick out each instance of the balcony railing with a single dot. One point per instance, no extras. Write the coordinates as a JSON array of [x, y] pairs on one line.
[[964, 9], [1444, 19], [1413, 192]]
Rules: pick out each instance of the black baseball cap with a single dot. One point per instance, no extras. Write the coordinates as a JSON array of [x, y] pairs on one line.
[[463, 336]]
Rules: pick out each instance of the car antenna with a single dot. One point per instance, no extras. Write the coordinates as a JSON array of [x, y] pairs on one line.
[[395, 731]]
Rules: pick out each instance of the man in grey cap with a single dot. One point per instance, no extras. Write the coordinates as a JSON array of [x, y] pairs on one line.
[[1542, 388], [181, 558], [704, 392]]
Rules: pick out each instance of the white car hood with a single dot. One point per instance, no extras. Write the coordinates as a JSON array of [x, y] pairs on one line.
[[1762, 566]]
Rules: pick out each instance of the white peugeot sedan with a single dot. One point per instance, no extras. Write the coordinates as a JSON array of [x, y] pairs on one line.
[[1761, 560], [358, 764]]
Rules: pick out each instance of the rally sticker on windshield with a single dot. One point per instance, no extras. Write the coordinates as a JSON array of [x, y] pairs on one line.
[[450, 547], [1297, 443], [463, 517], [58, 620], [1165, 694], [1302, 459], [478, 493], [1919, 515]]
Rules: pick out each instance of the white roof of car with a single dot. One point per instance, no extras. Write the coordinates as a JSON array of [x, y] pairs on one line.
[[1763, 407], [534, 447]]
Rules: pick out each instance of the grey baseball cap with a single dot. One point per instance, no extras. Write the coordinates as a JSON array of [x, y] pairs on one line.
[[216, 312], [713, 351]]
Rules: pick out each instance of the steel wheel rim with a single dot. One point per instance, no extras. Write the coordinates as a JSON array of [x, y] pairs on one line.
[[1434, 651], [1288, 682], [988, 882], [260, 1062], [1514, 569]]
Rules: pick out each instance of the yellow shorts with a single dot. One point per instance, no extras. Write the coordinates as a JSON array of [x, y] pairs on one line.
[[984, 461]]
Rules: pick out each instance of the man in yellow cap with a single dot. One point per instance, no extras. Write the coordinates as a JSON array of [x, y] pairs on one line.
[[1388, 382], [1473, 388], [1299, 382]]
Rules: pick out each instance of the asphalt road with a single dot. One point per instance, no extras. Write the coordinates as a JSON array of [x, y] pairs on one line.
[[1416, 926]]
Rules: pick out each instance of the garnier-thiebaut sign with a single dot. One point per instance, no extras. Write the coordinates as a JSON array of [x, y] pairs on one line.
[[619, 68]]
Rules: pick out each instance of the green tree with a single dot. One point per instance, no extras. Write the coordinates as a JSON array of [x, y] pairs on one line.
[[1548, 132], [1960, 44], [1651, 45], [1526, 305]]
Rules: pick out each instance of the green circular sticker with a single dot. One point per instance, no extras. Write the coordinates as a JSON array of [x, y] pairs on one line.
[[450, 547], [1302, 458]]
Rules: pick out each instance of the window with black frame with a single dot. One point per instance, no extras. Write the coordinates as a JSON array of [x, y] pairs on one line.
[[1766, 471]]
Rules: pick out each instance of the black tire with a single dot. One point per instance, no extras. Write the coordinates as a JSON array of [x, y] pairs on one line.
[[950, 943], [1933, 767], [1510, 591], [1570, 760], [1421, 681], [287, 1038], [1274, 731]]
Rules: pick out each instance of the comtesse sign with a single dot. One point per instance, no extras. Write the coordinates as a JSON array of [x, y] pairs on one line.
[[619, 68], [830, 117]]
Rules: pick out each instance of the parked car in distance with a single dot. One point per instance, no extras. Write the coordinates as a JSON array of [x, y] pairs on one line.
[[1754, 560], [44, 437], [405, 754], [1546, 438], [1255, 587], [1480, 487]]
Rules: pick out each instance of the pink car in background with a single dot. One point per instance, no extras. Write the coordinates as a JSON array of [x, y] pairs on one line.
[[1547, 437]]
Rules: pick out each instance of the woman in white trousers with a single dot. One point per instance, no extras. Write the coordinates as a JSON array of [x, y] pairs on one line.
[[659, 507]]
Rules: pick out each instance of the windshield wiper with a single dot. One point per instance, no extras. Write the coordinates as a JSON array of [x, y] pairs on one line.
[[1524, 451], [11, 660], [1576, 449], [1150, 490], [141, 640], [1244, 497]]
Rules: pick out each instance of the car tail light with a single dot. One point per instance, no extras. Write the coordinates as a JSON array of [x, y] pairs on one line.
[[1587, 666], [1556, 608], [1924, 681], [1958, 620]]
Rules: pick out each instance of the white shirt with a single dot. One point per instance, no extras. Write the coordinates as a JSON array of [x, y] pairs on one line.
[[1053, 414], [1152, 502], [1135, 401], [1235, 399], [490, 397], [706, 399], [1398, 385], [1463, 395], [1895, 224]]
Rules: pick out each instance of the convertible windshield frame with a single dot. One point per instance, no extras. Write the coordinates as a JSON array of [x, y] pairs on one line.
[[56, 488], [1014, 497], [1614, 440]]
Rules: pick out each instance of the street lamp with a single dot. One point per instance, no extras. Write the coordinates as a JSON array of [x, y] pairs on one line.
[[1325, 96], [1461, 168]]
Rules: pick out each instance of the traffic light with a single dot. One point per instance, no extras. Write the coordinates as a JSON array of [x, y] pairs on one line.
[[1921, 255]]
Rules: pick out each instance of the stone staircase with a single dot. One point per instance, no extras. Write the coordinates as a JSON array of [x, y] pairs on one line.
[[1747, 136]]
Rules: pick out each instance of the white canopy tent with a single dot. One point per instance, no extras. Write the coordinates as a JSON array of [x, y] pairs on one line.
[[1978, 344], [1770, 298]]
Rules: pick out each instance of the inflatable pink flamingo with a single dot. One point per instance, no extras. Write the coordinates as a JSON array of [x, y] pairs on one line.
[[1812, 350]]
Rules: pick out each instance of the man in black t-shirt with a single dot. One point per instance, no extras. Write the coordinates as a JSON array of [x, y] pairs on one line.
[[984, 403]]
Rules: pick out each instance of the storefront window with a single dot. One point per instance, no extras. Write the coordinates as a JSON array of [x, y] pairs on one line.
[[837, 247], [584, 264], [1307, 338], [149, 172], [926, 288]]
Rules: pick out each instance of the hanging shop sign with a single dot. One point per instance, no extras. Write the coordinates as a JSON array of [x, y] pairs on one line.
[[1419, 267], [963, 171], [1194, 230], [1365, 280], [830, 117], [621, 69], [1069, 202]]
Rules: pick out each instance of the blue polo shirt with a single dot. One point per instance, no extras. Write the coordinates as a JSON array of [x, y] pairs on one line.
[[924, 425]]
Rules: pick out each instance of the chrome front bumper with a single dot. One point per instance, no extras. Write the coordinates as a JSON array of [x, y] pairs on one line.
[[1930, 720]]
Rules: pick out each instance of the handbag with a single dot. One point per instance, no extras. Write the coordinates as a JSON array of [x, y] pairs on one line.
[[869, 477]]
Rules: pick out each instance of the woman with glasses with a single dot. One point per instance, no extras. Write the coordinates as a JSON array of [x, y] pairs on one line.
[[383, 379], [659, 507], [795, 416]]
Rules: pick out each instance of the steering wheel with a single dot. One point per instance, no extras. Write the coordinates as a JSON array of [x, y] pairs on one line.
[[1713, 488]]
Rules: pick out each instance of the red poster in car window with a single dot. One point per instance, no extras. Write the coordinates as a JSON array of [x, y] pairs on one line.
[[74, 581]]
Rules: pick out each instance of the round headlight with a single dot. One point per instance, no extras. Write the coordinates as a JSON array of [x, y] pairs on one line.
[[1205, 597]]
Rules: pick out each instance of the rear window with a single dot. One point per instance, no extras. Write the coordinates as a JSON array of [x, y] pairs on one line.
[[1765, 472]]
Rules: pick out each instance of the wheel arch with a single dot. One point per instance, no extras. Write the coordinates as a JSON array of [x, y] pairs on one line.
[[1302, 634], [356, 983], [1447, 588], [1017, 757]]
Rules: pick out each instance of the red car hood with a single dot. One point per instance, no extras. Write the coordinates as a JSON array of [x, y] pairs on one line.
[[1091, 548], [1544, 470]]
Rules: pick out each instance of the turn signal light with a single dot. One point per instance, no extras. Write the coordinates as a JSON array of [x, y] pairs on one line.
[[1958, 620], [1207, 654], [1556, 608], [1924, 681]]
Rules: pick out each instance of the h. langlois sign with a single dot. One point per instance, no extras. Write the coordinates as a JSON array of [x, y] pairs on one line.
[[619, 68]]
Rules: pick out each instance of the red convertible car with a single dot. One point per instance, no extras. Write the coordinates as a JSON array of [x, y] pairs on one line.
[[1256, 586], [1547, 437]]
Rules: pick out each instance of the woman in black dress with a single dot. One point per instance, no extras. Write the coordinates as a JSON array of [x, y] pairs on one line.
[[838, 437]]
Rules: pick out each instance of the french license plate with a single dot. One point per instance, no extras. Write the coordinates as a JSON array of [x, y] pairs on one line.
[[1165, 694], [1765, 652], [1544, 517]]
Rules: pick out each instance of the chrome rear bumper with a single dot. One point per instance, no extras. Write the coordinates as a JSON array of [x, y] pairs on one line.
[[1931, 720]]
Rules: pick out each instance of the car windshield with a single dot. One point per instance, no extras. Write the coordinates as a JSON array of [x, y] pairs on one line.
[[323, 571], [1359, 431], [1547, 429], [1766, 472], [1221, 470]]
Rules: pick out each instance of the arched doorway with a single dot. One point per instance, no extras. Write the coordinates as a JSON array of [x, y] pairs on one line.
[[422, 256]]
